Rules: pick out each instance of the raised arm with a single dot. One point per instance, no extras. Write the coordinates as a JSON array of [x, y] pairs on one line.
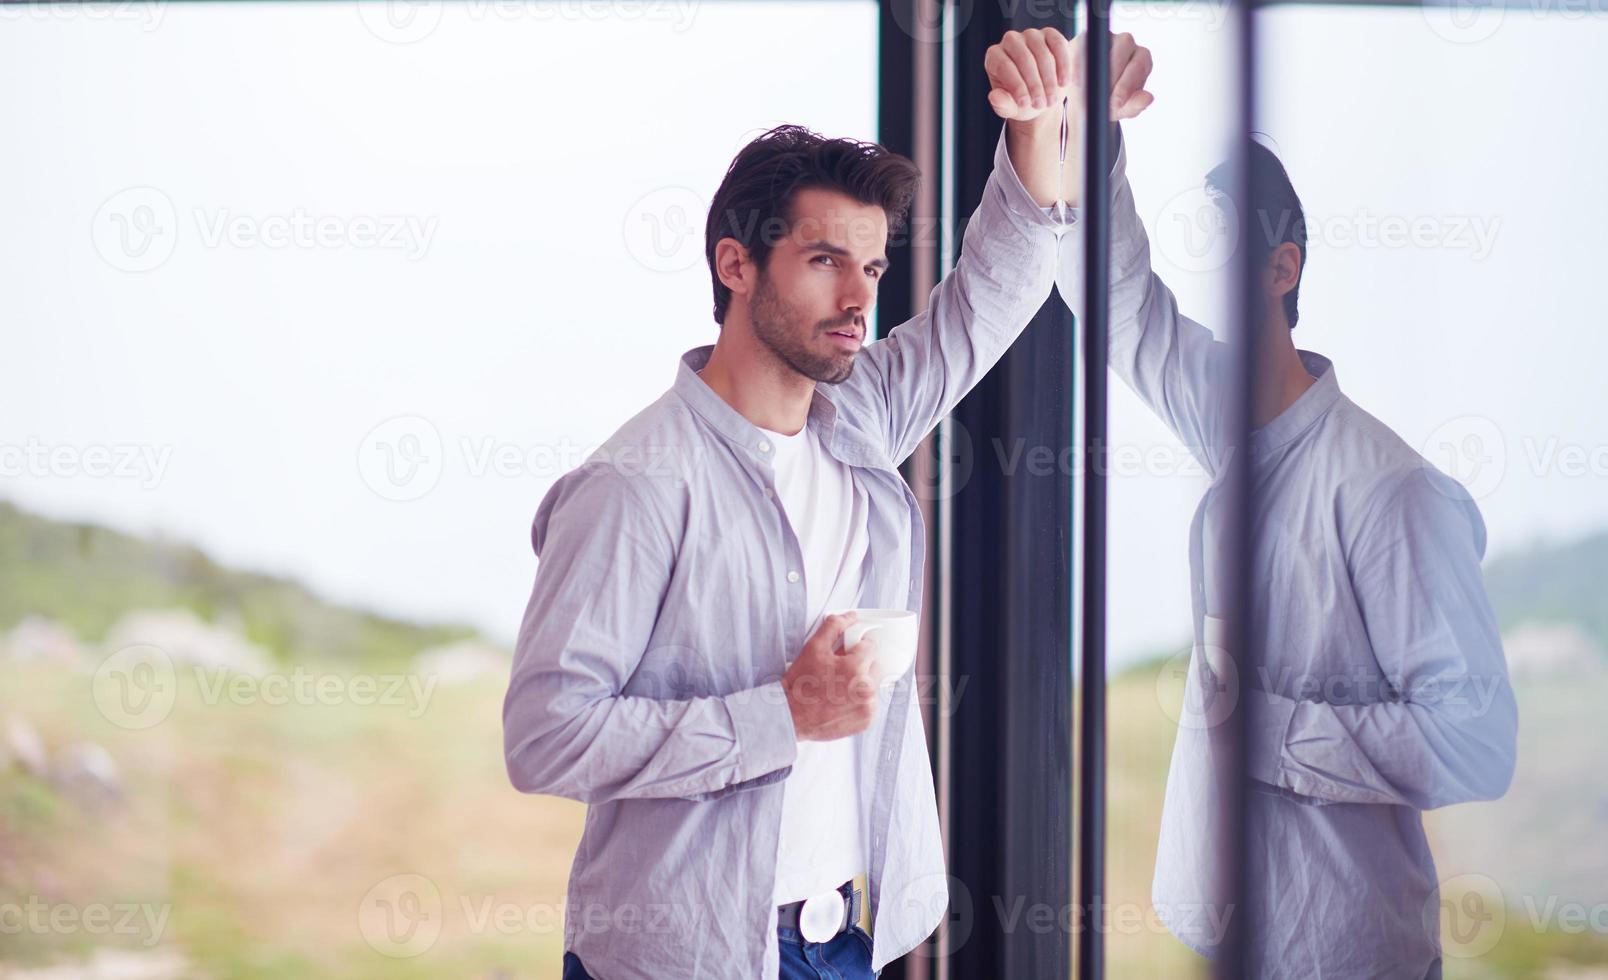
[[911, 378], [1170, 361], [914, 376]]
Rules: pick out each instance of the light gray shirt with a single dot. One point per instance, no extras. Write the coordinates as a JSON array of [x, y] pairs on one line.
[[668, 598], [1383, 689]]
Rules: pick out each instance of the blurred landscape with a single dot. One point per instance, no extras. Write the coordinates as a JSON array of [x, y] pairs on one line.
[[210, 773]]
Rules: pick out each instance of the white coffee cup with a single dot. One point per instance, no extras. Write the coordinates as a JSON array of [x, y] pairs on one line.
[[897, 632]]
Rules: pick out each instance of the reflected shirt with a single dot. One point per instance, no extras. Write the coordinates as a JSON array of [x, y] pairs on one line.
[[1383, 690], [668, 598]]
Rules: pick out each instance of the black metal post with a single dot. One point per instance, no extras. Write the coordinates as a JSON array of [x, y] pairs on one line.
[[1096, 318], [1241, 523], [1010, 805]]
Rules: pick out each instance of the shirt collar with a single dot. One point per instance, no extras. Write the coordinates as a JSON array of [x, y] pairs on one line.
[[1305, 410], [849, 446]]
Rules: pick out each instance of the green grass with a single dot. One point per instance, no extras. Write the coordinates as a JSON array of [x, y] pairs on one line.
[[262, 828], [86, 576]]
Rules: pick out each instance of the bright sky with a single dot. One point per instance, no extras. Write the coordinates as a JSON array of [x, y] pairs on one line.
[[255, 248]]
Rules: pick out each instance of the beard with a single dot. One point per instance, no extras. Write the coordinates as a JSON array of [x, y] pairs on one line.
[[779, 327]]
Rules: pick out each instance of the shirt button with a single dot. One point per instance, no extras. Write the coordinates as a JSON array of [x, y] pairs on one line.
[[769, 493], [764, 447], [792, 576]]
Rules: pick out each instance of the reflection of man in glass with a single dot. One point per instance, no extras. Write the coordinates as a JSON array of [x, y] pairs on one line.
[[1382, 689]]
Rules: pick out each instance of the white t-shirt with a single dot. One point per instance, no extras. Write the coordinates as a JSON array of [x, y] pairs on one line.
[[822, 844]]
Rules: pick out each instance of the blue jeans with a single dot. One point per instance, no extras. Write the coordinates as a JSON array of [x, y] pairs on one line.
[[846, 956]]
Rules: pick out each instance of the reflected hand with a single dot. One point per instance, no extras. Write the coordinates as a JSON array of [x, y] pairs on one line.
[[1130, 69]]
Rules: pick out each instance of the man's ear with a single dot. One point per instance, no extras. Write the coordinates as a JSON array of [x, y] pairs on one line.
[[1283, 270], [735, 266]]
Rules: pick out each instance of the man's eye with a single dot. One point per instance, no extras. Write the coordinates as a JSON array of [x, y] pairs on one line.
[[873, 272]]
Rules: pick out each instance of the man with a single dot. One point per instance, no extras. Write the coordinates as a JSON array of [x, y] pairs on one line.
[[1382, 691], [748, 817]]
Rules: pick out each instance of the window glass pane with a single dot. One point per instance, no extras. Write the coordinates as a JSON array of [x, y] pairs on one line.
[[1452, 210]]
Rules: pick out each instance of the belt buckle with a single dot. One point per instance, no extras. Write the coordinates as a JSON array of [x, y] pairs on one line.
[[821, 916]]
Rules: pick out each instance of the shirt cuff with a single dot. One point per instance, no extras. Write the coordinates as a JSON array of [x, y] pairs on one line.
[[1270, 718], [1017, 199], [766, 739], [1119, 168]]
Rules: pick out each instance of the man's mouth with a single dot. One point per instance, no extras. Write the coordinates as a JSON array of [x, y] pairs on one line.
[[848, 336]]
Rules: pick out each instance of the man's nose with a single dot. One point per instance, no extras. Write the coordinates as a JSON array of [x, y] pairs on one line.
[[862, 297]]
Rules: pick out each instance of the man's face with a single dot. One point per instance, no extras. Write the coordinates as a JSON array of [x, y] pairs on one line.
[[820, 283]]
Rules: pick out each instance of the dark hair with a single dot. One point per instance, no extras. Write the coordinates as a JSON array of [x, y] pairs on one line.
[[1276, 215], [755, 201]]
